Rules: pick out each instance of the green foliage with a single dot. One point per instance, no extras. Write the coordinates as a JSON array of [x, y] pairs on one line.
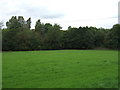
[[79, 38], [99, 37], [113, 37], [52, 39], [37, 26], [19, 36], [8, 39], [25, 40], [60, 69], [18, 24], [29, 23]]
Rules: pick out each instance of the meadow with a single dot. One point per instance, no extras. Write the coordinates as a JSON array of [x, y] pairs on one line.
[[60, 69]]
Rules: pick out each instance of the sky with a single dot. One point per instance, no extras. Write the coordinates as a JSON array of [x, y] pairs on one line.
[[75, 13]]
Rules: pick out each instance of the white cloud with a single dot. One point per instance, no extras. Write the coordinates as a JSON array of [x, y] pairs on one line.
[[99, 13]]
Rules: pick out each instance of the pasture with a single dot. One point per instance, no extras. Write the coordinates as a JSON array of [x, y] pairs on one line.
[[60, 69]]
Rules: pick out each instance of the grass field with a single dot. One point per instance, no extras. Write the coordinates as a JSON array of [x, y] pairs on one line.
[[60, 69]]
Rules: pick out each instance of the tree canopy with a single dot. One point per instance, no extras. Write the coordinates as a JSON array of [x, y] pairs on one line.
[[19, 36]]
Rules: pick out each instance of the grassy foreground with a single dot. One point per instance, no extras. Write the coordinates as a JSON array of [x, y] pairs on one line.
[[60, 69]]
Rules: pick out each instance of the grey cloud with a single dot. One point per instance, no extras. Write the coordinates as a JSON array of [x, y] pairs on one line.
[[29, 10], [52, 16], [43, 13], [36, 12], [13, 13]]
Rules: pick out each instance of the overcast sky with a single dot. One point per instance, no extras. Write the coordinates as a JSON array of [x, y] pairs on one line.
[[75, 13]]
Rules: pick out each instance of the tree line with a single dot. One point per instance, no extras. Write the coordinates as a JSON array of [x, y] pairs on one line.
[[19, 36]]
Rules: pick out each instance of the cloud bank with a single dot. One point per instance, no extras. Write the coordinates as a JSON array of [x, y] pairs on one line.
[[102, 13]]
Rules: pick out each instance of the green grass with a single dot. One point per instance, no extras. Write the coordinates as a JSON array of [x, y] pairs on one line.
[[60, 69], [0, 70]]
